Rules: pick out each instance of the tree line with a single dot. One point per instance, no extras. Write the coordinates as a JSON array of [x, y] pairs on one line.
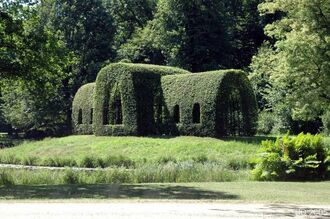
[[49, 48]]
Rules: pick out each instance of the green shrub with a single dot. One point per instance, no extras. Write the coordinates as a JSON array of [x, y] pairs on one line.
[[186, 171], [9, 159], [82, 122], [225, 99], [137, 86], [292, 158], [137, 99], [266, 122], [100, 163], [119, 175]]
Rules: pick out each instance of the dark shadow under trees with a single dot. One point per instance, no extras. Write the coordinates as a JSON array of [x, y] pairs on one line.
[[113, 191]]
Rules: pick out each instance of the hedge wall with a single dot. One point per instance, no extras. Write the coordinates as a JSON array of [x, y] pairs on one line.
[[82, 109], [215, 97], [137, 87], [137, 99]]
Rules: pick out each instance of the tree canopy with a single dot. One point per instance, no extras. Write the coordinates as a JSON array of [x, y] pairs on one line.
[[49, 48], [292, 73]]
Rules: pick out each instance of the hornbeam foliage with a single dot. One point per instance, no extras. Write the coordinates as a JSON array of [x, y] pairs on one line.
[[137, 99]]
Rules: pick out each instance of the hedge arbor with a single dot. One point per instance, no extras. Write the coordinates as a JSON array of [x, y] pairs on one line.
[[137, 99], [214, 104], [82, 110], [129, 96]]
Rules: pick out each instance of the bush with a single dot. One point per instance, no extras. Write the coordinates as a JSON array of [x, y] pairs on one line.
[[82, 109], [137, 88], [9, 159], [137, 99], [266, 122], [292, 158], [226, 102]]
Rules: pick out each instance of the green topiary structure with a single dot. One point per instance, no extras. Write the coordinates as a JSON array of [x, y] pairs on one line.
[[210, 104], [82, 110], [133, 89], [137, 99]]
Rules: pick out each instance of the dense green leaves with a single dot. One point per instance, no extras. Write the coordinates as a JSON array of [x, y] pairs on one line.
[[225, 98], [197, 35], [83, 110], [88, 31], [140, 91], [135, 99], [299, 158], [49, 48], [292, 74]]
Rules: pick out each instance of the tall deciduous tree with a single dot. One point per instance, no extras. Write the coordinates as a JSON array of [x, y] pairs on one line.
[[198, 35], [128, 15], [88, 32], [35, 99], [296, 69]]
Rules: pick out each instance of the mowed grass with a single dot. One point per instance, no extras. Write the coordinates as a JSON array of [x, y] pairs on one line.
[[263, 192], [138, 149]]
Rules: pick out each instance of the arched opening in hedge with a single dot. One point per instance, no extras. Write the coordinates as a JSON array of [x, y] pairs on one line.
[[80, 117], [117, 110], [237, 106], [196, 115], [106, 115], [234, 113], [176, 114], [91, 116]]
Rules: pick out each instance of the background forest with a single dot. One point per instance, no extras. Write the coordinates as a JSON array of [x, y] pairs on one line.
[[49, 48]]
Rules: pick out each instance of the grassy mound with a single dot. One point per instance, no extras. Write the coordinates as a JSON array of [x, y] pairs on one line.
[[135, 159], [134, 149]]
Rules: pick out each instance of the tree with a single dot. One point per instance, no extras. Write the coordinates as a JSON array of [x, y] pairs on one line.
[[198, 35], [88, 32], [128, 15], [245, 30], [191, 34], [296, 67], [13, 51], [36, 100]]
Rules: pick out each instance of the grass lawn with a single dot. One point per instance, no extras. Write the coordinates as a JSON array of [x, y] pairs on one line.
[[265, 192], [138, 149], [141, 148]]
